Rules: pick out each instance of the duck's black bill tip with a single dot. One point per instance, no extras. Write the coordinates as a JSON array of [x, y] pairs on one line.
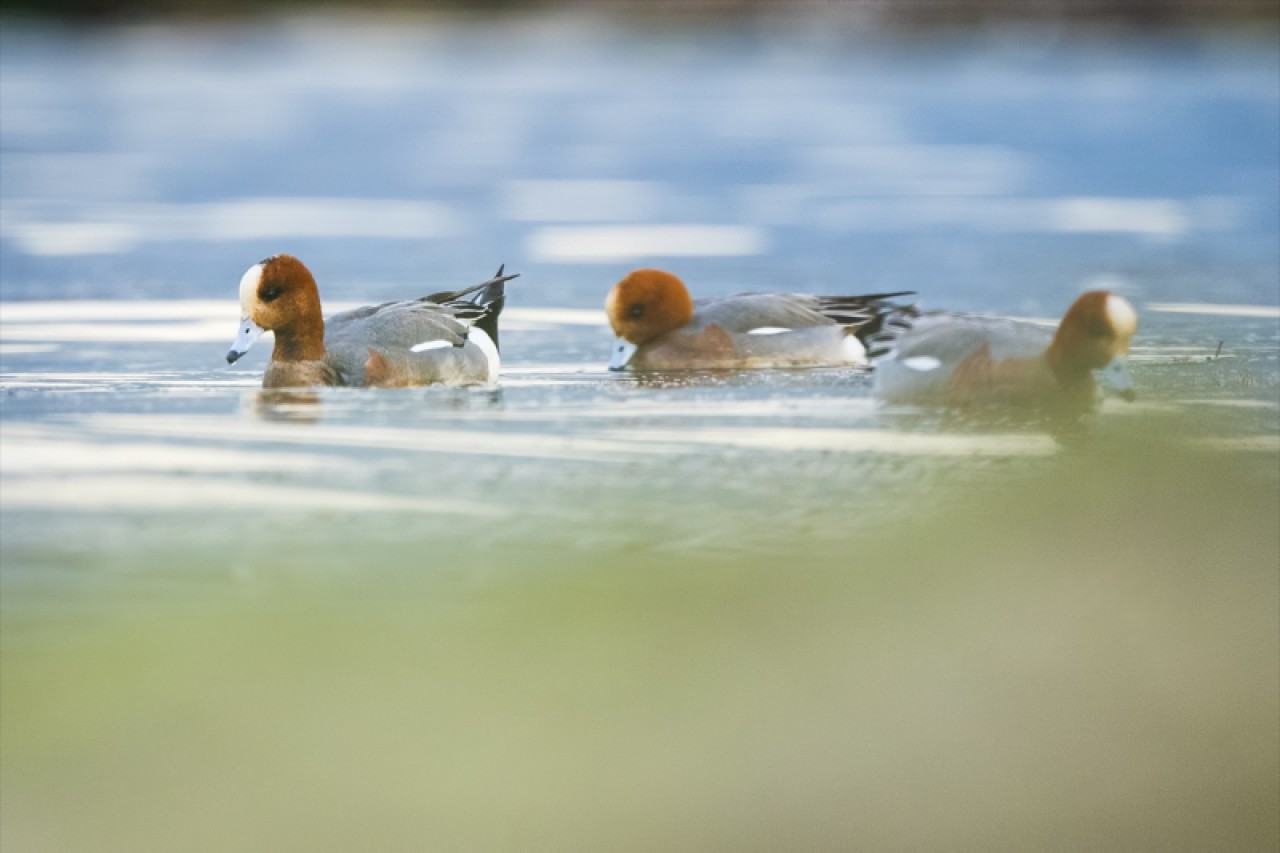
[[233, 356], [1128, 395]]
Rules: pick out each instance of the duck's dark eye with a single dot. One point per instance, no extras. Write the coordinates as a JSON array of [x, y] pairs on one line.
[[269, 293], [1099, 328], [635, 312]]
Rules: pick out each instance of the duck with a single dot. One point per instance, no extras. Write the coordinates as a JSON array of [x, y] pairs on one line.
[[961, 360], [659, 326], [449, 337]]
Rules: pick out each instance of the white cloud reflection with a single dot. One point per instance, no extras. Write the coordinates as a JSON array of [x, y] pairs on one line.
[[110, 229], [610, 243], [1143, 217]]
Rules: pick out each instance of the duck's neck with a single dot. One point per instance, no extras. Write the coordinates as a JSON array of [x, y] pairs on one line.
[[301, 340]]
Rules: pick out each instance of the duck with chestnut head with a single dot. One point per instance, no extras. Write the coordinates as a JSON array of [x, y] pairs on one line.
[[961, 360], [449, 337], [661, 327]]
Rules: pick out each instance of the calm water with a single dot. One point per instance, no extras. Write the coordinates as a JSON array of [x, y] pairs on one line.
[[611, 551]]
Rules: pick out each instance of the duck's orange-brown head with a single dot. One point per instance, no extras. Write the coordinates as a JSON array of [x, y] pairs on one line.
[[648, 303], [279, 294], [1094, 335]]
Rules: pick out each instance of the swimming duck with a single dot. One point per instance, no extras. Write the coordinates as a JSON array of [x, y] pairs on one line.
[[449, 337], [661, 327], [958, 360]]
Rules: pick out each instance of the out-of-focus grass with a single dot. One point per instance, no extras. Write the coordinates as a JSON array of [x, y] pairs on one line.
[[1086, 659]]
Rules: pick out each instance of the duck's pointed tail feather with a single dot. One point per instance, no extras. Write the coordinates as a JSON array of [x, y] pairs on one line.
[[492, 297], [481, 304]]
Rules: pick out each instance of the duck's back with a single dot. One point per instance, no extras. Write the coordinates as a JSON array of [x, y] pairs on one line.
[[420, 342], [745, 312], [945, 357], [764, 330]]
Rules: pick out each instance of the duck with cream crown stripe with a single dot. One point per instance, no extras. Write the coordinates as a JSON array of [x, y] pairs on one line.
[[449, 337], [958, 360], [661, 327]]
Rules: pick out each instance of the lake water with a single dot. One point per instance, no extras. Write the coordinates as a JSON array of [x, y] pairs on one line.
[[708, 611]]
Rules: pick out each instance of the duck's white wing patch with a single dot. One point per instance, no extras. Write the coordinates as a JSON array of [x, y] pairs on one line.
[[430, 345], [768, 330], [921, 363]]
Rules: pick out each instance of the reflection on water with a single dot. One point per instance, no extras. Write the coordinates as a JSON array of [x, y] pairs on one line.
[[291, 406]]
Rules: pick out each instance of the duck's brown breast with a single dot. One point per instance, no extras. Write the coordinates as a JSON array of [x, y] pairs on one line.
[[299, 374]]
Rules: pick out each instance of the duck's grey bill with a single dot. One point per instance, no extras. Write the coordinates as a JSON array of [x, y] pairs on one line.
[[622, 353], [1115, 377], [249, 332]]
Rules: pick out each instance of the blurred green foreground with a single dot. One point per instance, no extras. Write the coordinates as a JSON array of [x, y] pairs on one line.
[[1085, 658]]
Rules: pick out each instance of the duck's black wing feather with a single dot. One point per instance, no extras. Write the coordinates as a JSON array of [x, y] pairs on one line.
[[870, 316]]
